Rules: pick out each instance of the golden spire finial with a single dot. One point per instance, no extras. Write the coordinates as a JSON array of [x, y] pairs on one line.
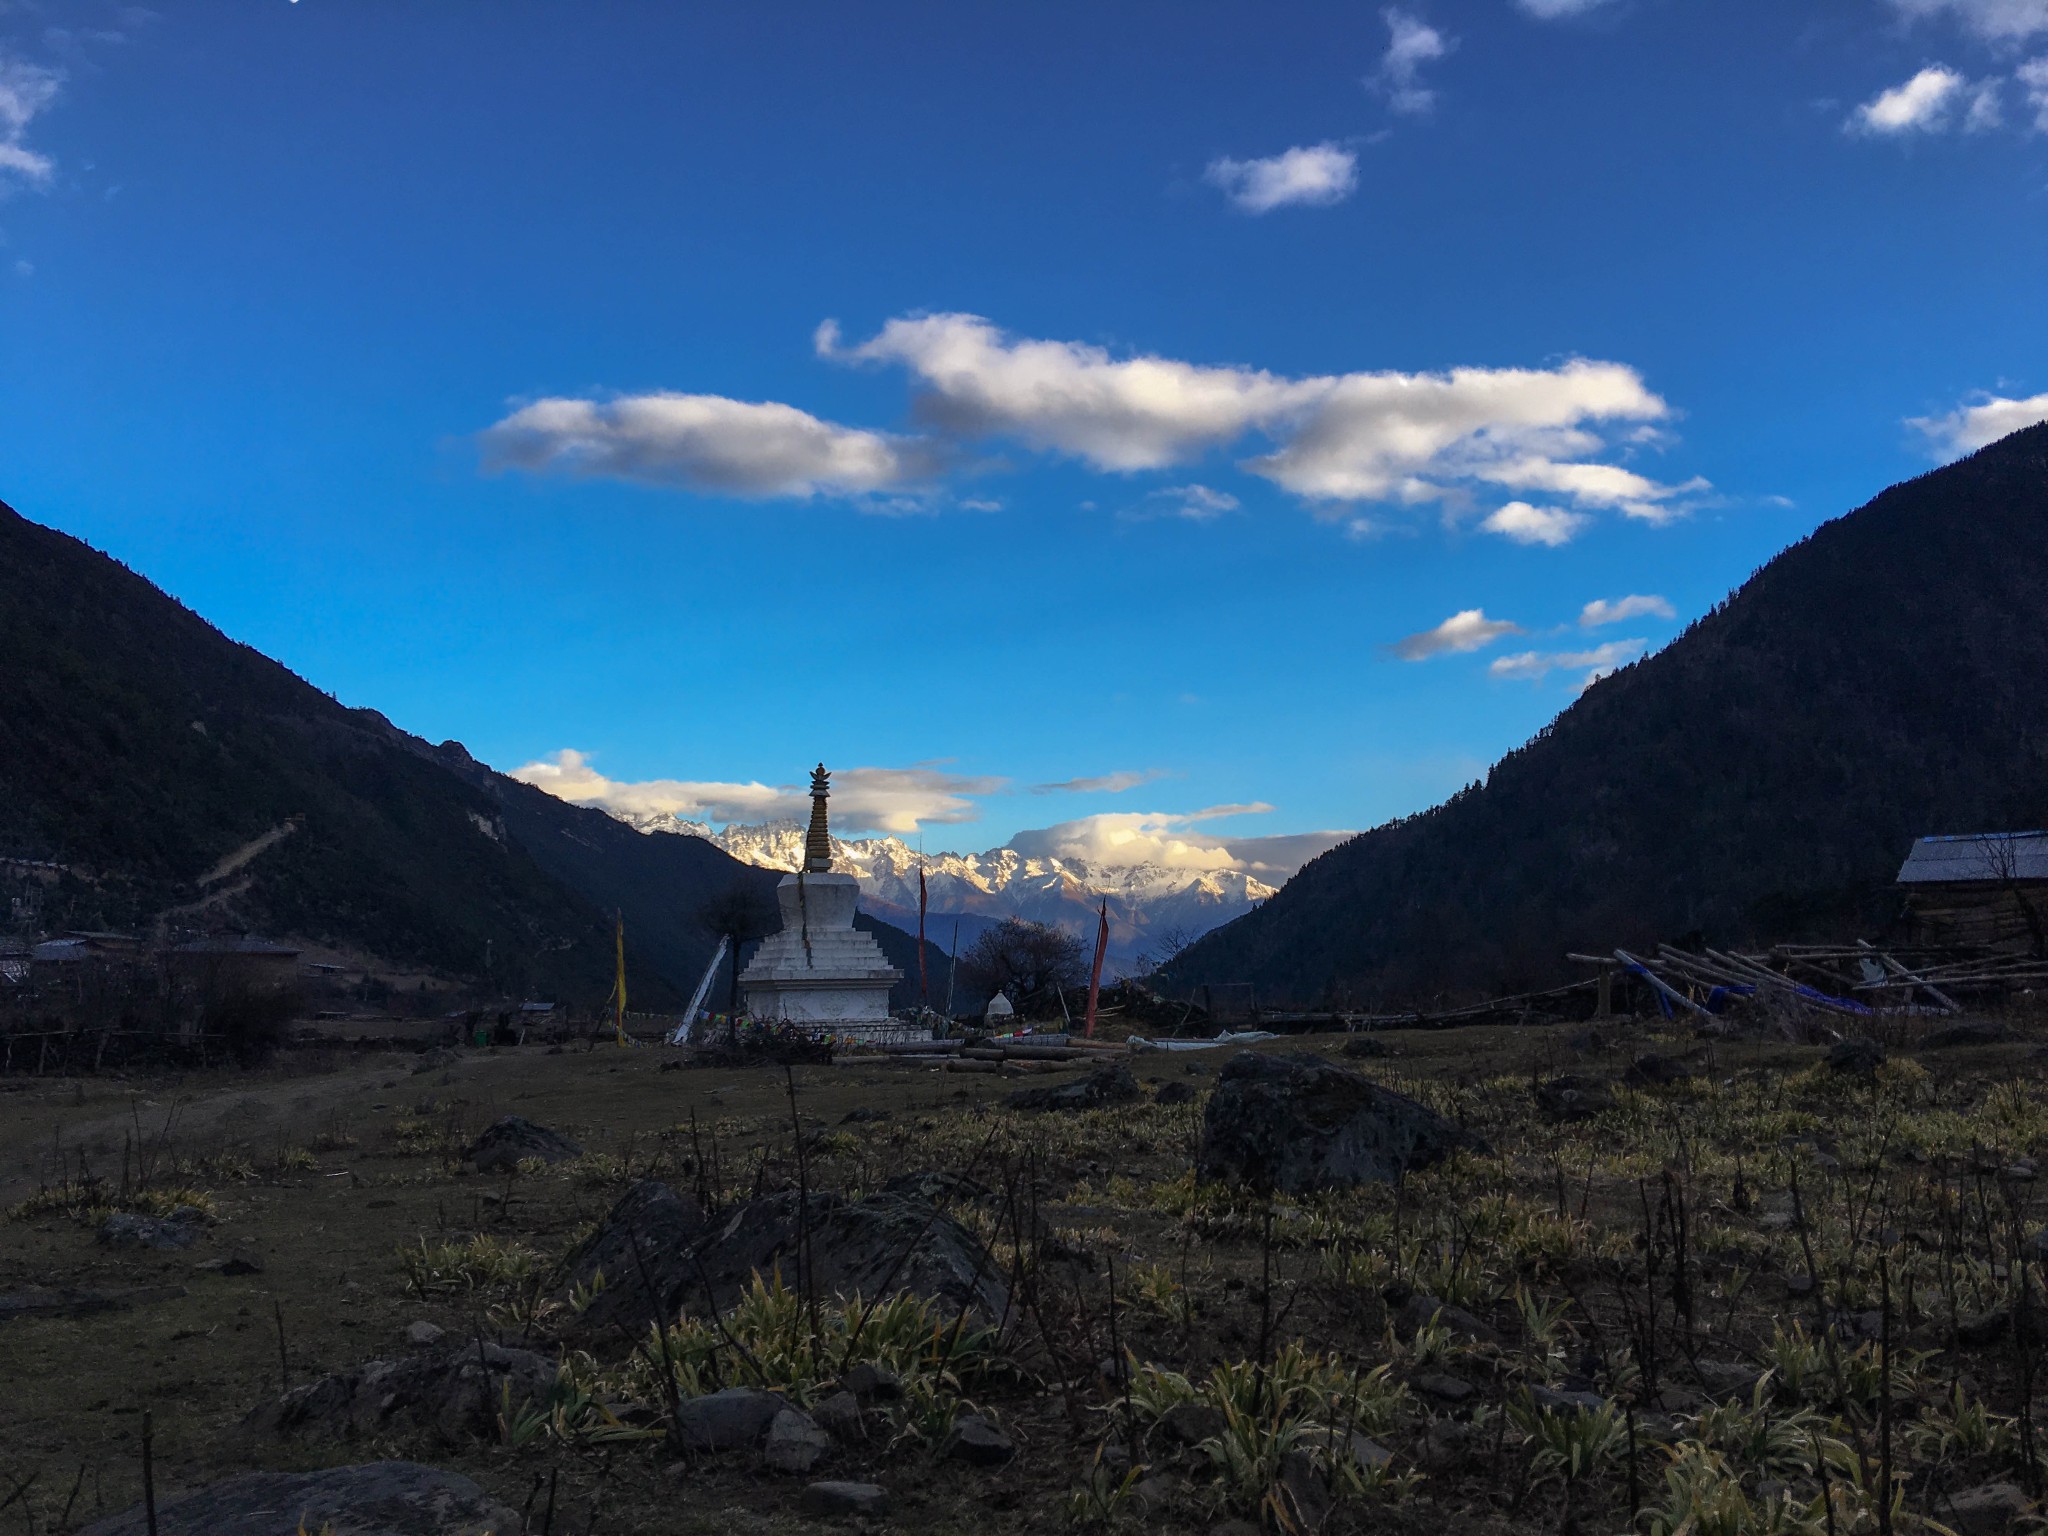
[[818, 841]]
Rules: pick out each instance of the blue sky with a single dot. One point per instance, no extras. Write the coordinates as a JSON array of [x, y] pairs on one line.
[[1209, 384]]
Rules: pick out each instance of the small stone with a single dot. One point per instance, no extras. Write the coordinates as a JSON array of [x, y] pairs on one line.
[[1984, 1328], [513, 1140], [1367, 1048], [1653, 1070], [234, 1264], [1776, 1221], [977, 1442], [1154, 1493], [1174, 1093], [1963, 1035], [2019, 1171], [1445, 1388], [871, 1384], [840, 1415], [1369, 1454], [1799, 1285], [424, 1335], [1550, 1400], [1192, 1423], [1987, 1510], [828, 1499], [795, 1443]]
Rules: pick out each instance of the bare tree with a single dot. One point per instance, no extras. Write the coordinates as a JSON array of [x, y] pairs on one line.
[[1167, 946], [1028, 961]]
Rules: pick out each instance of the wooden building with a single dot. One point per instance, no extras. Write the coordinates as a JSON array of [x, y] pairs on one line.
[[1985, 889]]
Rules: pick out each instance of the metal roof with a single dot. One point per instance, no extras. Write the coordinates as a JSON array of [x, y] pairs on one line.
[[235, 944], [1977, 856]]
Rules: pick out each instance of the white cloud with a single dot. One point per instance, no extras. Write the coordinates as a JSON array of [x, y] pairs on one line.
[[1600, 660], [1970, 427], [1196, 503], [1170, 840], [1604, 610], [1924, 104], [1525, 524], [863, 799], [1594, 485], [1553, 10], [1338, 438], [25, 91], [1997, 20], [2033, 79], [1469, 630], [1411, 43], [1100, 784], [1315, 176], [704, 443]]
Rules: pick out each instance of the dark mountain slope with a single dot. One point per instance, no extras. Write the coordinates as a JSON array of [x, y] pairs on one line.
[[140, 747], [1762, 776]]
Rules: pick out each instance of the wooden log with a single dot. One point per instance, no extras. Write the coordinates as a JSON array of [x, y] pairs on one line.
[[1659, 983]]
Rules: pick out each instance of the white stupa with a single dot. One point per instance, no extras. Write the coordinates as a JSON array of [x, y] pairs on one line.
[[820, 970]]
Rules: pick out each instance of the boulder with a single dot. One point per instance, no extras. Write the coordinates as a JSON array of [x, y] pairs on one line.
[[452, 1395], [514, 1139], [1572, 1097], [180, 1229], [384, 1498], [1109, 1083], [831, 1498], [977, 1442], [1855, 1057], [1298, 1122], [1367, 1048], [737, 1419], [795, 1443], [234, 1264], [840, 1414], [651, 1227], [1419, 1311], [1191, 1423], [893, 1240], [1173, 1093]]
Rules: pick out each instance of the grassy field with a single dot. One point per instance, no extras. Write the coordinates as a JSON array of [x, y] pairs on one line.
[[1677, 1310]]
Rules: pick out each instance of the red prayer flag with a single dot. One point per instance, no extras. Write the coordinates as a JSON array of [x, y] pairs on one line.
[[924, 991]]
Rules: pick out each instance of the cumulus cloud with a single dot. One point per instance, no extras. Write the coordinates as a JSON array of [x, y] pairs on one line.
[[1600, 660], [704, 443], [1594, 485], [1927, 104], [1970, 427], [1604, 610], [2033, 79], [1525, 524], [1997, 20], [896, 800], [1337, 438], [1313, 176], [26, 90], [1411, 43], [1469, 630], [1100, 784], [1170, 840]]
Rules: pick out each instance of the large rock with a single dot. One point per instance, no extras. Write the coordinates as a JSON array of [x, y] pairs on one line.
[[1108, 1084], [384, 1498], [644, 1241], [736, 1419], [894, 1240], [180, 1229], [1295, 1123], [453, 1395], [512, 1140]]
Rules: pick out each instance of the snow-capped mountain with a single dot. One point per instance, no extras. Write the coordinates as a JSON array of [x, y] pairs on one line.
[[1150, 906]]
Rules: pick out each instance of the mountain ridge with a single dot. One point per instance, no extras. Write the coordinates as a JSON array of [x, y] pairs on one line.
[[1759, 778]]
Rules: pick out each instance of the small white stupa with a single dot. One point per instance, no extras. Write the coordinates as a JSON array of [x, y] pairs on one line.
[[820, 971]]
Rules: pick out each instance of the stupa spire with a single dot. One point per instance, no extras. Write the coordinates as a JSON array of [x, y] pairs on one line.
[[818, 841]]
